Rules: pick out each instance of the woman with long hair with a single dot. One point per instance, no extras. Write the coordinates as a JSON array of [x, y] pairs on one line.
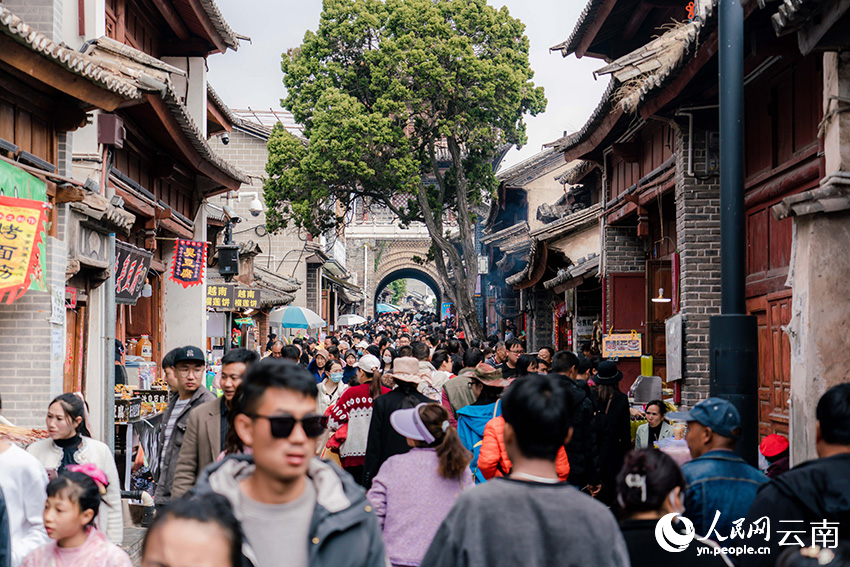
[[70, 443], [526, 364], [413, 492], [350, 417]]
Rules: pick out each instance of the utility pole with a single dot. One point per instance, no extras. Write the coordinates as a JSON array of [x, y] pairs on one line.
[[733, 339]]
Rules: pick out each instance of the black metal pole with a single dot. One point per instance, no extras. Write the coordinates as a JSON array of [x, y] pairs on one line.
[[733, 334]]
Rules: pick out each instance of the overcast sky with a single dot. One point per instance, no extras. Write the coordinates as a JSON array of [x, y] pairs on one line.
[[252, 76]]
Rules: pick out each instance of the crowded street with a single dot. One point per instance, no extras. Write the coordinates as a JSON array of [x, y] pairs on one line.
[[424, 283]]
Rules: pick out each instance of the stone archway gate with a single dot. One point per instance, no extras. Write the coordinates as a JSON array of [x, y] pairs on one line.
[[379, 261]]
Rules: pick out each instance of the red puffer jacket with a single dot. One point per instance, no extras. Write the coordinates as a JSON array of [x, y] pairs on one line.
[[493, 458]]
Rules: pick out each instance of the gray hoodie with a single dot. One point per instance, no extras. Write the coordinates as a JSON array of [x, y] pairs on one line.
[[343, 531]]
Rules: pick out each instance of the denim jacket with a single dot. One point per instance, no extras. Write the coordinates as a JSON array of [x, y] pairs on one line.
[[722, 481]]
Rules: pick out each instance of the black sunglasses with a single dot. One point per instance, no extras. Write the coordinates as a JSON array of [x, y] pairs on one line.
[[282, 425]]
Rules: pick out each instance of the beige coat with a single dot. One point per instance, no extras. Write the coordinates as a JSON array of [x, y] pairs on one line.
[[201, 446]]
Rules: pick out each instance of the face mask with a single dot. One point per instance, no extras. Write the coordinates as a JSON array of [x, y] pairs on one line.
[[336, 376], [388, 359]]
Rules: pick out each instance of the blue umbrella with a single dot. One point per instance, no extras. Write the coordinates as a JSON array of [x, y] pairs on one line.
[[291, 317], [386, 308]]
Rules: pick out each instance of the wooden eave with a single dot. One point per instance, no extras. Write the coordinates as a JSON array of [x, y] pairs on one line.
[[45, 71], [188, 151], [217, 119]]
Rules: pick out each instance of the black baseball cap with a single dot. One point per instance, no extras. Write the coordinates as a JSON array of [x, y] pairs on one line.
[[189, 354]]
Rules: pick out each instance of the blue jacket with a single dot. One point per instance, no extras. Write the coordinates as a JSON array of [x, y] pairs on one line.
[[722, 481], [471, 421], [314, 370]]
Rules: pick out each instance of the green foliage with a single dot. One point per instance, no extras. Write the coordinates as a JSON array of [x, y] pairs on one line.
[[399, 288], [380, 85]]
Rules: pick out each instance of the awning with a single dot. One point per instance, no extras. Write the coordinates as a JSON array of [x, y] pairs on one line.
[[575, 275], [348, 292]]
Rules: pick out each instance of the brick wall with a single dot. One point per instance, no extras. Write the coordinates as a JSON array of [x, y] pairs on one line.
[[313, 298], [43, 15], [698, 228], [32, 348], [624, 252]]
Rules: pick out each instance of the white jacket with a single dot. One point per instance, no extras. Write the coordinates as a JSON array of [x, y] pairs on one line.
[[111, 519], [642, 435]]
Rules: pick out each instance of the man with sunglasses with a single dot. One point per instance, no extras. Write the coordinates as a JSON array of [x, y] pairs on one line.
[[293, 507], [190, 372]]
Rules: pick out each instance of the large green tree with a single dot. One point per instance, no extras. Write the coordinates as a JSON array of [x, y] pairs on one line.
[[405, 104]]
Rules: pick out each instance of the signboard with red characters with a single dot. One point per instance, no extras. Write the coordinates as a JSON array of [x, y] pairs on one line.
[[190, 257], [131, 272], [22, 229]]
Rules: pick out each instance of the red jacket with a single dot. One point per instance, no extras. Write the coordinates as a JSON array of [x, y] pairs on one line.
[[493, 458]]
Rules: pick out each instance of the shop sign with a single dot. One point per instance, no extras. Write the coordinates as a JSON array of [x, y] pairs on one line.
[[220, 296], [247, 298], [622, 345], [190, 257], [23, 227], [244, 321], [131, 272]]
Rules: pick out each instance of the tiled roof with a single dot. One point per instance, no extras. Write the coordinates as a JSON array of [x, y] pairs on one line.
[[155, 76], [531, 168], [651, 65], [639, 73], [576, 172], [584, 266], [599, 113], [584, 20], [72, 60], [214, 14], [217, 100], [570, 222]]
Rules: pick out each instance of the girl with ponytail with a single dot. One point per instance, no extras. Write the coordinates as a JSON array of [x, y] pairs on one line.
[[73, 501], [413, 492], [70, 444], [650, 486]]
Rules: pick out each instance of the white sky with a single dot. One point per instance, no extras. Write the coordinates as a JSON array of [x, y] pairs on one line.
[[252, 76]]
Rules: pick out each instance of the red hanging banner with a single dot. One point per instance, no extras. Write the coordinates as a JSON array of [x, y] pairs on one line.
[[190, 257]]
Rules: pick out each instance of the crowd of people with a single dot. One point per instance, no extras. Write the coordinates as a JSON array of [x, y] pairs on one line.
[[402, 443]]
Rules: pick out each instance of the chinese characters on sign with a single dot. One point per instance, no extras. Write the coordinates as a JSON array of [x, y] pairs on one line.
[[247, 298], [22, 231], [131, 271], [220, 297], [223, 297], [190, 257]]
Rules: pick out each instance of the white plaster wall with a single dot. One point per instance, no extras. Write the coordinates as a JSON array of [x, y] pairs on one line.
[[184, 310], [544, 189], [193, 87], [580, 244]]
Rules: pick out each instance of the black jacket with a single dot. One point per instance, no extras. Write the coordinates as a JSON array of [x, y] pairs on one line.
[[583, 448], [644, 550], [615, 443], [814, 491], [5, 539], [384, 441]]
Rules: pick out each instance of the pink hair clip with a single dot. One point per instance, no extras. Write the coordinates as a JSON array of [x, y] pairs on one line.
[[92, 471]]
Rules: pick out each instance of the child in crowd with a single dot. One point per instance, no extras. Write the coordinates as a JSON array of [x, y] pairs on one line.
[[73, 500]]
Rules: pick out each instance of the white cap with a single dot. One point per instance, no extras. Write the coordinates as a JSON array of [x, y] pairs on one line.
[[368, 363]]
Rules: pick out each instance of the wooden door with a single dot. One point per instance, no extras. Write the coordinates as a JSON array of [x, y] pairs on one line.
[[628, 313], [774, 387]]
